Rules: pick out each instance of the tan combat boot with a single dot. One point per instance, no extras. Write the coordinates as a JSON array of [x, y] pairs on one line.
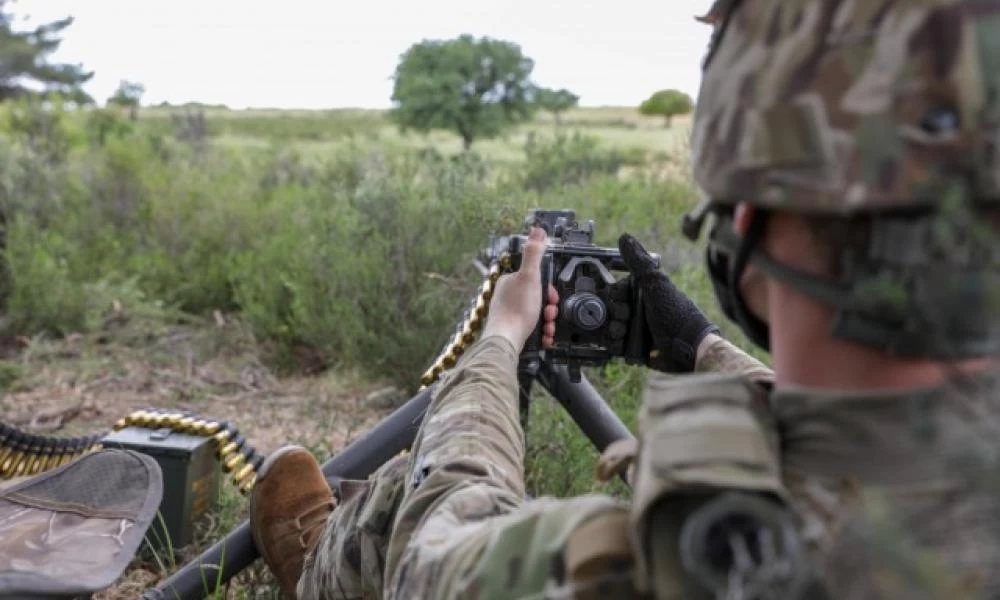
[[289, 507]]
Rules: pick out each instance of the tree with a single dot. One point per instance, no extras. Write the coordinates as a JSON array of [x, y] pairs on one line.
[[667, 103], [475, 87], [24, 61], [555, 101], [129, 94]]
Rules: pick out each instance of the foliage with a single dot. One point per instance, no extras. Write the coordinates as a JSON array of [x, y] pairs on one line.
[[667, 103], [475, 87], [555, 101], [25, 59], [566, 160]]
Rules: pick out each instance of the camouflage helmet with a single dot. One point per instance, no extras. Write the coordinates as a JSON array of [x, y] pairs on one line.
[[882, 113]]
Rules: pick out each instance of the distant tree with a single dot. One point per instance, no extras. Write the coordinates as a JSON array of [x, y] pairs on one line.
[[667, 103], [474, 87], [555, 101], [24, 61], [128, 95]]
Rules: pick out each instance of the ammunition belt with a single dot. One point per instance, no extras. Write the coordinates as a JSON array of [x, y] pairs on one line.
[[25, 454], [471, 324], [236, 455]]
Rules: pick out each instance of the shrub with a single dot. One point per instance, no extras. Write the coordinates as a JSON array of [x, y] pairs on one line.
[[565, 160], [374, 269]]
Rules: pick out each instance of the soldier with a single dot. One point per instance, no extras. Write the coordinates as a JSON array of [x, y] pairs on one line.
[[848, 153]]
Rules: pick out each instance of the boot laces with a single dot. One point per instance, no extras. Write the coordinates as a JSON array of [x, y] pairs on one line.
[[311, 518]]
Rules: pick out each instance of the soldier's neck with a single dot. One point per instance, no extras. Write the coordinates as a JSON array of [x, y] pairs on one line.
[[804, 354]]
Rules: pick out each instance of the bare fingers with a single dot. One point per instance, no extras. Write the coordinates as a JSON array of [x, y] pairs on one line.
[[549, 314]]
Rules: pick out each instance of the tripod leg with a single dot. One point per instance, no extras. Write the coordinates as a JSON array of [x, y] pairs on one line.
[[585, 406]]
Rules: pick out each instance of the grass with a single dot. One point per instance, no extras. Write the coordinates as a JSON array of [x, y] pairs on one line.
[[285, 263], [326, 131]]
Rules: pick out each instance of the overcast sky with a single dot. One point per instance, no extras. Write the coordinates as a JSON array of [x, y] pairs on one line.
[[341, 53]]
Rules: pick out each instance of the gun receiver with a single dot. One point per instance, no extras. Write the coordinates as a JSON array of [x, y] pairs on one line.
[[601, 317]]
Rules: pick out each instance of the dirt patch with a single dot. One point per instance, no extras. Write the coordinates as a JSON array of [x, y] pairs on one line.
[[83, 384]]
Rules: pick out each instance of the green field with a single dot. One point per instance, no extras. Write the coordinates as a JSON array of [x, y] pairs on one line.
[[286, 263], [621, 128]]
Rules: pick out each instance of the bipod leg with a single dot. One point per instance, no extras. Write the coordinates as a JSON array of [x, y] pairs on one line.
[[217, 565], [584, 404]]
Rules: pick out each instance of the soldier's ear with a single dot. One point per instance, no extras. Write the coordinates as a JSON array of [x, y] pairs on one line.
[[742, 217]]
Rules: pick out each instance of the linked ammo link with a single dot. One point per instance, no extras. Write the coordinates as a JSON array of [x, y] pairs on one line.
[[470, 326]]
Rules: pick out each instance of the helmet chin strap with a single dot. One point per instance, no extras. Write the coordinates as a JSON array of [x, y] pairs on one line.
[[756, 329], [903, 304]]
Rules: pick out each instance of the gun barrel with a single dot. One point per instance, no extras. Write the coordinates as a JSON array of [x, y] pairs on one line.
[[213, 568]]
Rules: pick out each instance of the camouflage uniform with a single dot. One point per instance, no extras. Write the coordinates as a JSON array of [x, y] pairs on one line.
[[878, 122], [844, 108], [449, 521]]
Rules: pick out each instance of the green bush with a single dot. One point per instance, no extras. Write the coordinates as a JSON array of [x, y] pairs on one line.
[[566, 160], [374, 270]]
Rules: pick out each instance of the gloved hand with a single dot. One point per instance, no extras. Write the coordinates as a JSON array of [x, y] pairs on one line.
[[676, 323]]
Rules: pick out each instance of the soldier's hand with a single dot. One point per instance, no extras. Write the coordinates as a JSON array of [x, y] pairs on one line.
[[517, 298], [676, 323]]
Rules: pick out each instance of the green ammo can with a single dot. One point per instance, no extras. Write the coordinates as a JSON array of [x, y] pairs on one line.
[[191, 474]]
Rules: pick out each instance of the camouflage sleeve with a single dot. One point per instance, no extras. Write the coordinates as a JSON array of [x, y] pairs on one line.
[[416, 514], [466, 466], [718, 355], [450, 520]]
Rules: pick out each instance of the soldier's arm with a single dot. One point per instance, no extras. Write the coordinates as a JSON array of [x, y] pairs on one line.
[[718, 355], [420, 510]]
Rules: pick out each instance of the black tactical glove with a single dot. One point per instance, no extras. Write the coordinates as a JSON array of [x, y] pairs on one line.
[[676, 323]]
